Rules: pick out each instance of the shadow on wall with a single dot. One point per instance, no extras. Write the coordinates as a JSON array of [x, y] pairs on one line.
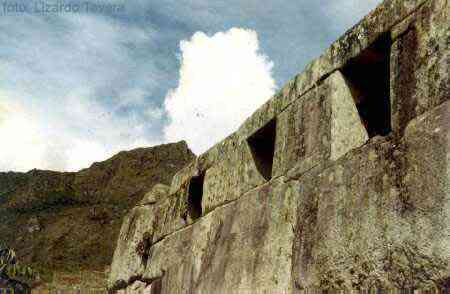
[[262, 146], [195, 196], [368, 77]]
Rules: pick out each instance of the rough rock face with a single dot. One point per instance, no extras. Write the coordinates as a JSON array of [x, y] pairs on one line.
[[65, 225], [340, 181]]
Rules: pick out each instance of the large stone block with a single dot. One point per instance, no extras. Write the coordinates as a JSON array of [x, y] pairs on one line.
[[218, 152], [303, 132], [347, 129], [227, 171], [424, 161], [322, 125], [378, 217], [230, 178], [243, 247], [170, 214], [419, 63], [337, 219], [128, 263], [145, 225], [181, 179]]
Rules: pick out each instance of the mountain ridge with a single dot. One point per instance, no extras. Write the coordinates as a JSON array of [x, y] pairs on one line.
[[70, 220]]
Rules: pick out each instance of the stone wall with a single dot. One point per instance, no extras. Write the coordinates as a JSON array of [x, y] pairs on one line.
[[340, 181]]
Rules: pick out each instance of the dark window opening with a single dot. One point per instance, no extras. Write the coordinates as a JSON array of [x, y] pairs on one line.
[[195, 196], [143, 247], [368, 76], [262, 146]]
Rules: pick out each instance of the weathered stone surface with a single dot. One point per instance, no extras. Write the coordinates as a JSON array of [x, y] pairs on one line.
[[353, 42], [245, 232], [367, 220], [145, 225], [129, 257], [140, 287], [303, 132], [338, 210], [158, 192], [336, 219], [243, 246], [425, 183], [347, 130], [420, 62], [215, 154], [170, 215], [229, 171], [181, 178], [231, 177], [344, 224], [324, 124]]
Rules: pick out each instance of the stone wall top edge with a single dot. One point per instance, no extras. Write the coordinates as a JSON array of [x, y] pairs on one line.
[[379, 21]]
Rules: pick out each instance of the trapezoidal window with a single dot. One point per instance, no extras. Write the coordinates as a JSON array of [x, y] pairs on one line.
[[195, 196], [368, 76], [262, 146]]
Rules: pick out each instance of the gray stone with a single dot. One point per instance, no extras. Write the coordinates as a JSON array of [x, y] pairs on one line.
[[419, 63], [158, 192], [308, 194], [347, 130]]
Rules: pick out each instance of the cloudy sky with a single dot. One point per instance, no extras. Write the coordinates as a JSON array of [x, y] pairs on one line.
[[79, 85]]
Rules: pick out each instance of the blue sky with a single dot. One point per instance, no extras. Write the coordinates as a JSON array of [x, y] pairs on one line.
[[77, 87]]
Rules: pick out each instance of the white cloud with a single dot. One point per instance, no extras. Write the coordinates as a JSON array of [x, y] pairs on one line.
[[223, 79], [22, 143], [30, 140]]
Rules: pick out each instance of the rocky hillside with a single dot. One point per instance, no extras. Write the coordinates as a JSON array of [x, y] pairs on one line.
[[70, 221]]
